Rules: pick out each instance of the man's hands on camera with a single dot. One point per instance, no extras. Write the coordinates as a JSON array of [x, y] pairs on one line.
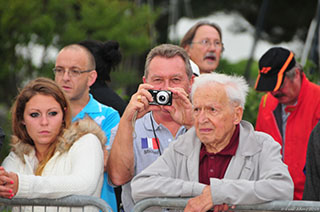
[[180, 110], [139, 103]]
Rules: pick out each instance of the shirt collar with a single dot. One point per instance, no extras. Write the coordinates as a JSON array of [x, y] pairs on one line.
[[230, 149], [147, 124], [147, 121], [93, 106]]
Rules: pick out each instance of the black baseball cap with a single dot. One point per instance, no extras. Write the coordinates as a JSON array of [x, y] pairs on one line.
[[272, 67]]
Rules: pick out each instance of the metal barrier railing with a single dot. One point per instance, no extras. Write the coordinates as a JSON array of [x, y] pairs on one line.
[[72, 201], [180, 203]]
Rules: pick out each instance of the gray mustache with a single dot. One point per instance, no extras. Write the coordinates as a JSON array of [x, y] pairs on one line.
[[210, 54]]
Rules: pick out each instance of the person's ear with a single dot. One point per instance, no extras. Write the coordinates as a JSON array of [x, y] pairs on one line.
[[144, 79], [191, 82], [92, 77], [187, 48], [238, 113], [297, 73]]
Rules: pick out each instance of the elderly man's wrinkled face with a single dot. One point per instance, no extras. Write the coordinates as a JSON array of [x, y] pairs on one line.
[[215, 116]]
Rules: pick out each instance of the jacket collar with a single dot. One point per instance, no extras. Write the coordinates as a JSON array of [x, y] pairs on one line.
[[241, 164], [246, 149]]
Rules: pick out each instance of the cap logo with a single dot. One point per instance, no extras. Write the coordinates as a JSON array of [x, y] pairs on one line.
[[265, 70]]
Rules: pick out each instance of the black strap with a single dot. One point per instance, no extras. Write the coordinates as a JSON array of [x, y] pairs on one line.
[[155, 136]]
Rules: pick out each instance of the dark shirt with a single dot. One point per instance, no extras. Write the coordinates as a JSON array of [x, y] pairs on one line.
[[105, 95], [312, 184], [215, 165]]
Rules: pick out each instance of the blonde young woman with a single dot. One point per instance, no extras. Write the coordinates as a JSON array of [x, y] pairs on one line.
[[50, 157]]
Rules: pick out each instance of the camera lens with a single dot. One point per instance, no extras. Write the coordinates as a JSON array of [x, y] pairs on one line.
[[163, 97]]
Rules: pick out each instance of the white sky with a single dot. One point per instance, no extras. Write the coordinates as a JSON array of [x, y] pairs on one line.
[[237, 46]]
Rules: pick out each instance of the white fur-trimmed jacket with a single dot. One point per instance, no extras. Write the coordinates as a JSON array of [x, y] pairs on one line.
[[75, 168]]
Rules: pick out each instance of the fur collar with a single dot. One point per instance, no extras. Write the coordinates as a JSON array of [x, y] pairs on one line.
[[69, 136]]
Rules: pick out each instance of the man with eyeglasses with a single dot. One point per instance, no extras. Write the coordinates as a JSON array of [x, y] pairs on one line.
[[145, 129], [203, 42], [75, 73]]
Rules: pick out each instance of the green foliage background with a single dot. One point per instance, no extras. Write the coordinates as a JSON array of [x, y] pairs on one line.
[[253, 98], [52, 24]]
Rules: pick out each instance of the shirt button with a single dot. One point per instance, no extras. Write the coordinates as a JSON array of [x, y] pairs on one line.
[[169, 140], [211, 157], [211, 170]]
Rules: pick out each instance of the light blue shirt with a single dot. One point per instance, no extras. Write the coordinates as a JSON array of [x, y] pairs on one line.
[[107, 118]]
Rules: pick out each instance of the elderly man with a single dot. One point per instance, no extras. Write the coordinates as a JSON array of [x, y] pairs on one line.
[[221, 159], [203, 42], [290, 109], [145, 130]]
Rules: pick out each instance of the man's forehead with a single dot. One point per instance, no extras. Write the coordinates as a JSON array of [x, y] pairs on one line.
[[74, 51], [165, 74], [167, 66], [207, 31], [72, 57], [176, 59], [211, 92]]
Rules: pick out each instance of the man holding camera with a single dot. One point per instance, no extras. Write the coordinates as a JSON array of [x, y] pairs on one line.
[[156, 115]]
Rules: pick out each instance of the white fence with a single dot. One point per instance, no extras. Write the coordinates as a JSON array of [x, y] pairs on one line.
[[178, 204], [69, 203]]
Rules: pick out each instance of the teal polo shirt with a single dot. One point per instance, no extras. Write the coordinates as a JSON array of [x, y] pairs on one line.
[[107, 118]]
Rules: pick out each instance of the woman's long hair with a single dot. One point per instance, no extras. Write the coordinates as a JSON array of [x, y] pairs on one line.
[[43, 86]]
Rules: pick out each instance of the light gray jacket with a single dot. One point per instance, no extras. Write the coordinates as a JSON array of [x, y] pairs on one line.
[[256, 173]]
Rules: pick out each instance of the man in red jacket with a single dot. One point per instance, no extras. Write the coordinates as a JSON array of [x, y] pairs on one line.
[[289, 110]]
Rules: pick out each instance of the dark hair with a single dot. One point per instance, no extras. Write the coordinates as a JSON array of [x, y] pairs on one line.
[[106, 54], [188, 37]]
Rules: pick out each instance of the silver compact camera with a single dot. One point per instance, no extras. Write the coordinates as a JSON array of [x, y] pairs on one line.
[[161, 97]]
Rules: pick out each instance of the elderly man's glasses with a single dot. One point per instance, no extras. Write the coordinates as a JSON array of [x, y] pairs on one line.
[[207, 43], [71, 72]]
